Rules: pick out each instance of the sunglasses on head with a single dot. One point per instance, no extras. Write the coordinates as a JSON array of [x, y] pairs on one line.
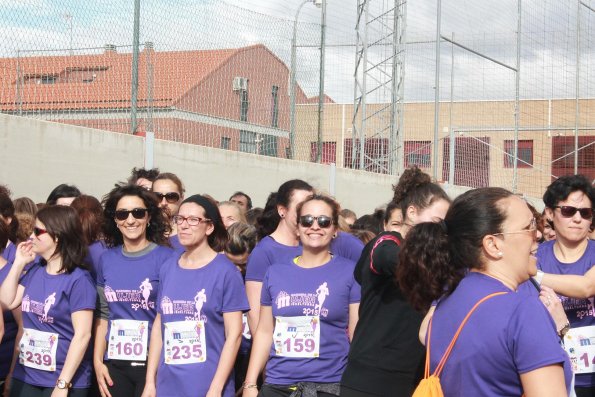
[[37, 231], [171, 197], [137, 213], [568, 211], [322, 220]]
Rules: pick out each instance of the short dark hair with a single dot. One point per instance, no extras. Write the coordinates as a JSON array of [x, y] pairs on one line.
[[157, 229], [90, 214], [415, 188], [561, 188], [138, 173], [370, 222], [63, 225], [3, 236], [436, 256], [389, 210], [61, 191], [248, 199]]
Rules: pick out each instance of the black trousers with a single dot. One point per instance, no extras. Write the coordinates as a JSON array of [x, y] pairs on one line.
[[129, 380], [269, 390], [22, 389], [348, 392]]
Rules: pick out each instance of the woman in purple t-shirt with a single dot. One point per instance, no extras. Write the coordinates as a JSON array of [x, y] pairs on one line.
[[509, 346], [135, 229], [57, 298], [308, 312], [198, 327]]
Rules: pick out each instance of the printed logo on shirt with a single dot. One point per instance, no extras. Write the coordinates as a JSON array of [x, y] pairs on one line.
[[314, 300], [138, 298], [41, 309], [581, 307], [191, 309]]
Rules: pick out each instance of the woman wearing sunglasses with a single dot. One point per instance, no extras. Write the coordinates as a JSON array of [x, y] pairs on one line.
[[170, 192], [56, 298], [127, 283], [569, 205], [307, 305], [198, 327]]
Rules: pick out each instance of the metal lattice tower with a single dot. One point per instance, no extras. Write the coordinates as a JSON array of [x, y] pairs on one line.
[[379, 78]]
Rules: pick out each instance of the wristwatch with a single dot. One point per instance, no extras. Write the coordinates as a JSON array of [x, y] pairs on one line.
[[62, 384], [564, 330]]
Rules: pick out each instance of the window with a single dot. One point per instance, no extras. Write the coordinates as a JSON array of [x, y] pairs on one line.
[[247, 141], [225, 141], [418, 153], [268, 145], [275, 107], [525, 153], [375, 154], [329, 152], [244, 105]]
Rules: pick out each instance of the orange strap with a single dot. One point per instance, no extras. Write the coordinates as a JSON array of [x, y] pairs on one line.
[[442, 362]]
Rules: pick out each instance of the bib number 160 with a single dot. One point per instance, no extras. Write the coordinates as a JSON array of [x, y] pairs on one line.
[[128, 348]]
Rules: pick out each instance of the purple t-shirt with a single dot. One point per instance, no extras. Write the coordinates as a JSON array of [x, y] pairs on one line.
[[48, 302], [347, 245], [10, 332], [267, 252], [198, 294], [94, 252], [9, 252], [506, 336], [175, 243], [130, 284], [327, 290], [580, 312]]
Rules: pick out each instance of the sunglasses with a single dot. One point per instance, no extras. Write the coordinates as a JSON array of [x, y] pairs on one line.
[[137, 213], [171, 197], [37, 231], [568, 211], [322, 220]]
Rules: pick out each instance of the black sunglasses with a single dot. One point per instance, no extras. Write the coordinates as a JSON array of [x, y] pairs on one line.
[[568, 211], [322, 220], [137, 213], [171, 197], [37, 231]]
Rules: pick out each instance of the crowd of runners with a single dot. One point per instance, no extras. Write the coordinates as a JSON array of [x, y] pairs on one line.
[[154, 291]]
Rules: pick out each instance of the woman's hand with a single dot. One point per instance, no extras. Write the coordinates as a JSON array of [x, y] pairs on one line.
[[59, 392], [103, 379], [150, 390], [554, 306], [24, 254], [250, 392]]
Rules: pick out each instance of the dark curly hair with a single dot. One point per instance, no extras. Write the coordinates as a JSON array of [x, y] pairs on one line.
[[7, 212], [158, 227], [415, 188], [436, 256], [141, 173]]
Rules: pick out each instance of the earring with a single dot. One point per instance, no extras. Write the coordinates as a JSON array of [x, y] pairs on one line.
[[500, 254], [282, 215]]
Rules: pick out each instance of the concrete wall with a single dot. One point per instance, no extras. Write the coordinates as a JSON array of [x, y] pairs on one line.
[[38, 155]]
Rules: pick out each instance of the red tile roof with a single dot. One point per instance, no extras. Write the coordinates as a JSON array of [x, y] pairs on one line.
[[109, 78]]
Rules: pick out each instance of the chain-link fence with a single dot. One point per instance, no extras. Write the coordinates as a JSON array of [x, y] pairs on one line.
[[218, 74]]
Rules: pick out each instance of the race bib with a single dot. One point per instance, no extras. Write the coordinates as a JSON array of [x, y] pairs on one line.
[[184, 342], [297, 336], [128, 340], [38, 349], [579, 343]]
